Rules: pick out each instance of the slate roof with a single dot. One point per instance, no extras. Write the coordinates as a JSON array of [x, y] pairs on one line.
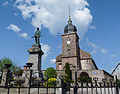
[[70, 28], [83, 55]]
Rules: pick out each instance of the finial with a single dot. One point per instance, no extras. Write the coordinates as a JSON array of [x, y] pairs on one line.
[[38, 28], [69, 21]]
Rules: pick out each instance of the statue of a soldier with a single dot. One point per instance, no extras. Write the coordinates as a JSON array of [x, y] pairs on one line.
[[37, 36]]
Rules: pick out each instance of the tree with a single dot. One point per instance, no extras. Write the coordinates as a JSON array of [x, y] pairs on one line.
[[50, 73], [5, 61], [67, 70], [84, 77], [13, 67]]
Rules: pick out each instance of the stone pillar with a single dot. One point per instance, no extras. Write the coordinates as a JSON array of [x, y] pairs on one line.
[[28, 76], [59, 80], [35, 56], [4, 81]]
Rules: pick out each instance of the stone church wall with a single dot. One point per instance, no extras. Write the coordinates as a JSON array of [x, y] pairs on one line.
[[100, 74], [72, 61], [87, 64]]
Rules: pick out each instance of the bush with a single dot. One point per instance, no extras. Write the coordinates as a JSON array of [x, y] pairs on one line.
[[19, 72], [50, 73], [68, 81], [51, 82], [84, 79]]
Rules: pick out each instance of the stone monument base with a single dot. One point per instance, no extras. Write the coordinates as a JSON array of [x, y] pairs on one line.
[[35, 56]]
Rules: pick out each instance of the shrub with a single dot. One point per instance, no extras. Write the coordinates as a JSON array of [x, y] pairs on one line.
[[50, 73], [68, 81], [19, 72], [85, 79], [51, 82]]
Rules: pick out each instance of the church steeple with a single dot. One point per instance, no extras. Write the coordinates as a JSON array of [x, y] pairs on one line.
[[70, 28], [69, 21]]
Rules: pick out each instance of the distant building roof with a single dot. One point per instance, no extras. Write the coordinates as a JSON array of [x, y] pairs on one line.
[[83, 55], [59, 58]]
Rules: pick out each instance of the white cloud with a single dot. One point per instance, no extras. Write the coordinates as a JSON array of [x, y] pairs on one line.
[[95, 47], [53, 14], [16, 29], [24, 35], [53, 60], [13, 27], [92, 27], [46, 50], [91, 44], [5, 3], [104, 51]]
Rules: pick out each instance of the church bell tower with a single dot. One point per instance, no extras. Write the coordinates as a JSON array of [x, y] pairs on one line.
[[70, 48]]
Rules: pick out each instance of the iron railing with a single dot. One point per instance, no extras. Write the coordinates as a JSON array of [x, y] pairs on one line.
[[104, 87]]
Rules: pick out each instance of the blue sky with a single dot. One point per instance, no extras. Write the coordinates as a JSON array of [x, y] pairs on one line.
[[97, 22]]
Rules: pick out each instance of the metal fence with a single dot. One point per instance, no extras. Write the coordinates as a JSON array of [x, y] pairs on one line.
[[77, 87], [81, 88]]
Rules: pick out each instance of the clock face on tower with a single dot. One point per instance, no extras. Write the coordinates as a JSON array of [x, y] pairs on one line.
[[68, 40]]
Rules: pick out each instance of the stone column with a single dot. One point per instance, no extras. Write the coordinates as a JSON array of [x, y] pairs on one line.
[[28, 76], [35, 56], [4, 81]]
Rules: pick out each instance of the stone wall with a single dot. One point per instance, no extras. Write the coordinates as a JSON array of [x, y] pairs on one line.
[[87, 64], [100, 74], [26, 90]]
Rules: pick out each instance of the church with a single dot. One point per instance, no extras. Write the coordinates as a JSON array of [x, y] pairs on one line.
[[78, 59]]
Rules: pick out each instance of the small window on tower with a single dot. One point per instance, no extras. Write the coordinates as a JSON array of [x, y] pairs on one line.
[[68, 38], [68, 50]]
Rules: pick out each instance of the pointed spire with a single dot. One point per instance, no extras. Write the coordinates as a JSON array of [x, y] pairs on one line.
[[69, 21]]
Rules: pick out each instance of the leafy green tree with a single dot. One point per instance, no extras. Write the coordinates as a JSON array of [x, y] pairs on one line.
[[13, 67], [5, 61], [67, 70], [50, 73]]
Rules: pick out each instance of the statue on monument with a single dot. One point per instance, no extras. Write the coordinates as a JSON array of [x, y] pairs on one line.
[[37, 36]]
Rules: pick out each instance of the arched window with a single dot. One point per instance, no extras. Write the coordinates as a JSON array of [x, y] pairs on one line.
[[84, 74]]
